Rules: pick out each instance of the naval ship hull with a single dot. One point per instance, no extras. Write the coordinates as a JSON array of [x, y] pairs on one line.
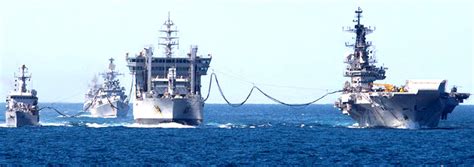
[[110, 110], [398, 110], [20, 118], [187, 111]]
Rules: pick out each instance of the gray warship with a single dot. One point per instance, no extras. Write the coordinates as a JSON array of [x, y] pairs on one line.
[[417, 104], [21, 103], [168, 88], [109, 99]]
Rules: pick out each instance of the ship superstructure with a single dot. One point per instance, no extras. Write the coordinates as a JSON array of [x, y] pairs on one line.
[[109, 99], [418, 103], [22, 103], [168, 88]]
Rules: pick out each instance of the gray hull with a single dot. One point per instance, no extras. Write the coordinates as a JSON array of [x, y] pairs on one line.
[[187, 111], [21, 118], [399, 110]]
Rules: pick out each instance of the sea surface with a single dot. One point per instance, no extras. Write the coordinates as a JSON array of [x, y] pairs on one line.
[[250, 135]]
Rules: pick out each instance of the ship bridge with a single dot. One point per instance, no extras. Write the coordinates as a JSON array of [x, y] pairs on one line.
[[153, 74], [159, 70]]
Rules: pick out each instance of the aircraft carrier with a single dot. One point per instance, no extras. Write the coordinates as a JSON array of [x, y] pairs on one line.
[[168, 88], [107, 100], [21, 103], [417, 104]]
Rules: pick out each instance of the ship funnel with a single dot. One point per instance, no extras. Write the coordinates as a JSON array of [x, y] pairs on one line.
[[149, 57], [193, 56]]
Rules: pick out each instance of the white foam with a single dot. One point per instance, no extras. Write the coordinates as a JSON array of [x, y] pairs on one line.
[[264, 125], [85, 116], [243, 126], [96, 125], [355, 125], [174, 125], [54, 124], [409, 125], [226, 126], [3, 125], [161, 125]]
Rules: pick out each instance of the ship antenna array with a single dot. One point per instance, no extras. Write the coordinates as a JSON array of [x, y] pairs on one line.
[[214, 77], [359, 15], [361, 44], [170, 38], [22, 78]]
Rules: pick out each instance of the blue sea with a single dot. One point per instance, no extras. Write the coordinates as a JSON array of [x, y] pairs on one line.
[[250, 135]]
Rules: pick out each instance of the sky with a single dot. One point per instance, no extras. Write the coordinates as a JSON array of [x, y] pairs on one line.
[[292, 49]]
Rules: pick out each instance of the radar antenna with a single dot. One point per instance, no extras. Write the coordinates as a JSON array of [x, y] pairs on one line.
[[169, 38], [111, 64], [111, 74], [21, 80]]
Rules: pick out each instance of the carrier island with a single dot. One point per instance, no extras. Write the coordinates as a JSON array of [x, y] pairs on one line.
[[167, 88], [417, 104]]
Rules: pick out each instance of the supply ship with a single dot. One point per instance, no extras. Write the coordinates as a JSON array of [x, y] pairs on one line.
[[21, 103], [168, 88], [417, 104], [107, 100]]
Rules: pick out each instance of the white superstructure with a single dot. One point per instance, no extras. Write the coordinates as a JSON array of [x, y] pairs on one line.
[[168, 88]]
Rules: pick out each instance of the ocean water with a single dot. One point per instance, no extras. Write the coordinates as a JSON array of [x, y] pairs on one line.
[[249, 135]]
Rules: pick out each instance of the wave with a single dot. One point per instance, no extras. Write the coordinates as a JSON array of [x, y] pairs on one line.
[[231, 125], [354, 126], [107, 125], [228, 125], [161, 125], [96, 125], [3, 125], [91, 116], [66, 124]]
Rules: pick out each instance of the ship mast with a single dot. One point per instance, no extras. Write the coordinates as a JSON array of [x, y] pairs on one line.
[[170, 39], [21, 86], [111, 75], [361, 67], [111, 64]]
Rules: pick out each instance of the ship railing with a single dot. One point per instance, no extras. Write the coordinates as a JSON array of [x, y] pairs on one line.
[[348, 29], [369, 29], [376, 74], [349, 44]]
